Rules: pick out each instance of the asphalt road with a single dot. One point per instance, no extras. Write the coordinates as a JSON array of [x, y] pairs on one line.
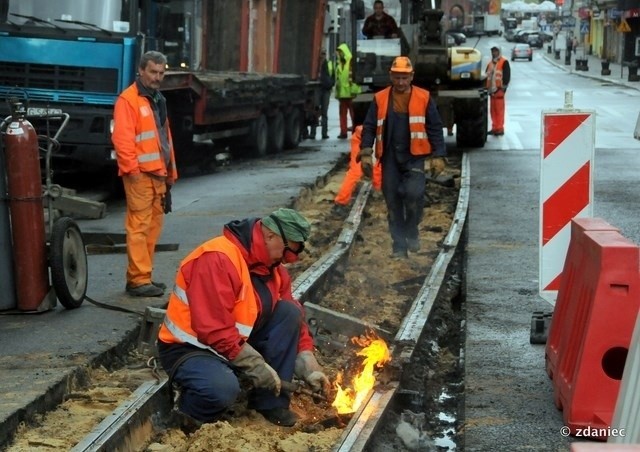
[[509, 398]]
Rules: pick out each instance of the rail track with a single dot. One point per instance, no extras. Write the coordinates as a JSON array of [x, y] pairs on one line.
[[394, 413]]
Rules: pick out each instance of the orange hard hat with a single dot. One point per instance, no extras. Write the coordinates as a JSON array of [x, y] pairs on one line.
[[402, 64]]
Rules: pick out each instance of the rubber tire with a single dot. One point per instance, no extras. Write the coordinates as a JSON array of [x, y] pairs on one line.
[[258, 137], [292, 129], [472, 132], [276, 133], [68, 262]]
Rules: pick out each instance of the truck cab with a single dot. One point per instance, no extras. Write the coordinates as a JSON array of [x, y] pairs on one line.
[[72, 56]]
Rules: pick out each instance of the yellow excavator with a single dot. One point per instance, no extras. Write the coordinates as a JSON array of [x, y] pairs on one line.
[[453, 75]]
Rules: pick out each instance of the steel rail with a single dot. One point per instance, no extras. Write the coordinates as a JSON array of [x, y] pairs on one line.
[[359, 430], [131, 422]]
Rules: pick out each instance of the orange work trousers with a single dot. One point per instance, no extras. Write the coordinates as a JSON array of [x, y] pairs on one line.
[[143, 224], [496, 107], [354, 173]]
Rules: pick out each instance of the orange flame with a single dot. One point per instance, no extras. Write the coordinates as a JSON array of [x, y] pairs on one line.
[[376, 354]]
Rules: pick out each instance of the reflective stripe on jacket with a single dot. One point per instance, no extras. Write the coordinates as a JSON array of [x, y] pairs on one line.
[[145, 153], [177, 323], [494, 73], [418, 103]]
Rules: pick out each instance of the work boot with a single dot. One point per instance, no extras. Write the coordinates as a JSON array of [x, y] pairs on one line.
[[399, 254], [184, 422], [160, 285], [145, 290], [280, 416], [340, 210], [413, 245]]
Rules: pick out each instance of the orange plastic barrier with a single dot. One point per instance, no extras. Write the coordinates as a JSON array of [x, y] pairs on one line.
[[604, 303], [562, 324]]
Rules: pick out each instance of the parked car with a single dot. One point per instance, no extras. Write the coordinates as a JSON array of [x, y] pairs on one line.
[[535, 40], [458, 37], [522, 51], [510, 34], [523, 35]]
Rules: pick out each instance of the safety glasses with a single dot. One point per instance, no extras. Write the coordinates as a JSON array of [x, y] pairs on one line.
[[284, 238]]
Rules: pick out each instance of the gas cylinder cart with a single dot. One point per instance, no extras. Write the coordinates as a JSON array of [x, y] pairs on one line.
[[56, 265]]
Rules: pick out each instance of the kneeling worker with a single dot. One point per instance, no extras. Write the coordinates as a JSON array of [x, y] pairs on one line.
[[232, 312]]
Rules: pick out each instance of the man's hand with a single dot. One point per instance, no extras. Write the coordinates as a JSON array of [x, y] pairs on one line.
[[261, 374], [307, 368], [365, 158], [166, 200], [436, 166]]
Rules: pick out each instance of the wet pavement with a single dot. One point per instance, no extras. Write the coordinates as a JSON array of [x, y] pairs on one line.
[[619, 73]]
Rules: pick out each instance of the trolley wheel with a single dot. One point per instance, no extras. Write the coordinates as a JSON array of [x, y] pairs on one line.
[[68, 261]]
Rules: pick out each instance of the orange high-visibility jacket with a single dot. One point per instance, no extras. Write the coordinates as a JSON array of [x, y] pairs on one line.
[[134, 118], [177, 322], [418, 103], [494, 73]]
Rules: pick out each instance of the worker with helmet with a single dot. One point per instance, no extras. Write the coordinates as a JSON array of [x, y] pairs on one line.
[[406, 127], [232, 313], [498, 77]]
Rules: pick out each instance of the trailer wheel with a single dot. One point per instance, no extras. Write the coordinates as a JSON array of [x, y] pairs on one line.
[[276, 133], [471, 131], [292, 129], [257, 140], [68, 262]]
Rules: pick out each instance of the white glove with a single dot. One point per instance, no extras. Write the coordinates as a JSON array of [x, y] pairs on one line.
[[307, 368]]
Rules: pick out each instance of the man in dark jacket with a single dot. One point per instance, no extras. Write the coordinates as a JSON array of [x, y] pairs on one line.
[[327, 81], [380, 24], [404, 122]]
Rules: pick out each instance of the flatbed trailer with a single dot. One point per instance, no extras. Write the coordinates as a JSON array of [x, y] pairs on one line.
[[240, 75]]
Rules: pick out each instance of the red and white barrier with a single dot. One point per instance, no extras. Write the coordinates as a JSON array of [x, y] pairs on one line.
[[566, 188]]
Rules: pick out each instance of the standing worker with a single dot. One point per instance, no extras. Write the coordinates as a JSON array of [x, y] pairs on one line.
[[232, 312], [353, 175], [498, 77], [407, 129], [344, 79], [327, 80], [146, 162], [380, 24]]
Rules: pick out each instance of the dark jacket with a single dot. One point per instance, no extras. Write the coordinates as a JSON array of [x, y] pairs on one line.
[[434, 128], [327, 80]]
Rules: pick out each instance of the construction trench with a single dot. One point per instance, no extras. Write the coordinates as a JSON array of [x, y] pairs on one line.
[[351, 289]]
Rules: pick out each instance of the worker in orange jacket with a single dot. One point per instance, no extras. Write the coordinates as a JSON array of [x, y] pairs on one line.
[[354, 174], [146, 163], [498, 77], [231, 314]]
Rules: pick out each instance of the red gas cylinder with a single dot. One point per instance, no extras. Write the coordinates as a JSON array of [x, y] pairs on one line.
[[24, 185]]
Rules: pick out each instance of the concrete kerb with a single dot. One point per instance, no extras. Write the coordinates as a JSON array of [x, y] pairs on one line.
[[593, 61], [57, 392]]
